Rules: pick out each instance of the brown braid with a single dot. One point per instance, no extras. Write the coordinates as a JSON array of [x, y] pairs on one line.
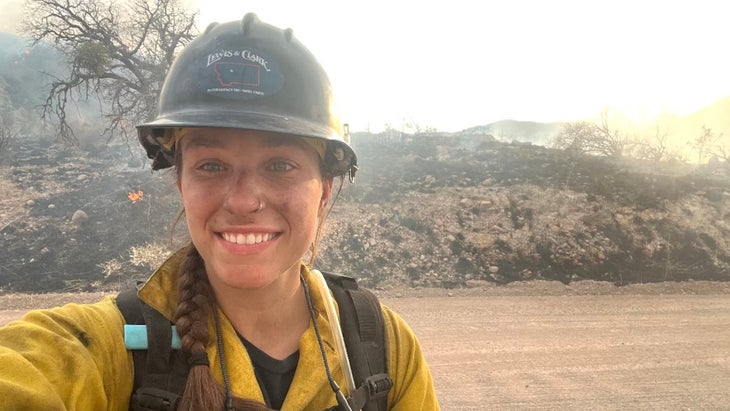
[[202, 392], [195, 296]]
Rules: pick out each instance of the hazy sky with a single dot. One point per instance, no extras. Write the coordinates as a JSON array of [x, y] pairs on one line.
[[456, 64]]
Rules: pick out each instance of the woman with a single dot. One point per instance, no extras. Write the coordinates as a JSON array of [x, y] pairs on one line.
[[245, 117]]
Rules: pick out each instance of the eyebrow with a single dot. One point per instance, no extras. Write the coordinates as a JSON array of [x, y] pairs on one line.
[[198, 140], [277, 140], [201, 140]]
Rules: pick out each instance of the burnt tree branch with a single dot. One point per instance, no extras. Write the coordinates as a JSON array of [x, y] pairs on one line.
[[118, 54]]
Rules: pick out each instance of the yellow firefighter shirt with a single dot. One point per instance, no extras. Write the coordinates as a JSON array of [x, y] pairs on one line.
[[73, 357]]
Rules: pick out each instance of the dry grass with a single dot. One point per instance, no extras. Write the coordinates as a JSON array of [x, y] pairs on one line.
[[150, 255], [12, 202]]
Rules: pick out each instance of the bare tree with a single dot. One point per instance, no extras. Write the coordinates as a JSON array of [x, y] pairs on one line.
[[412, 126], [656, 148], [575, 137], [117, 53], [610, 142], [722, 150], [721, 147], [704, 143], [590, 138]]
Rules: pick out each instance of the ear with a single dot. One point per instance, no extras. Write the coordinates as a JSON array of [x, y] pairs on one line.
[[326, 193]]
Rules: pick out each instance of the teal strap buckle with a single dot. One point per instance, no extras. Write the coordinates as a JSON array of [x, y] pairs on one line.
[[135, 337]]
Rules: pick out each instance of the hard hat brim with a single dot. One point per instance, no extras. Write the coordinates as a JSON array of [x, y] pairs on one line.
[[149, 132]]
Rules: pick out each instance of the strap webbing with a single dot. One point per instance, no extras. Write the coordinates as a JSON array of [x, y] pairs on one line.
[[160, 372], [365, 341]]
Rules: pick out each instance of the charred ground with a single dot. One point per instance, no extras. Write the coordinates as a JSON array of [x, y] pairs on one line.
[[439, 211]]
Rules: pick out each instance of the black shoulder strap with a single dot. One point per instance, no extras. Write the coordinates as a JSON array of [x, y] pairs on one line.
[[159, 371], [363, 330]]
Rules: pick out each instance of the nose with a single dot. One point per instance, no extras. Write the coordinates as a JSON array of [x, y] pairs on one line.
[[245, 194]]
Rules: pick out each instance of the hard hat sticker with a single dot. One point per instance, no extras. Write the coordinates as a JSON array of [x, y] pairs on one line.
[[240, 74]]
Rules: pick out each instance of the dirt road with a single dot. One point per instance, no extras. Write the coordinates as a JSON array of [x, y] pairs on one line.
[[611, 352], [490, 351]]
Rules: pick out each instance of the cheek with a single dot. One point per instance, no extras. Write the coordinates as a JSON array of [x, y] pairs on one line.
[[305, 203], [196, 198], [293, 203]]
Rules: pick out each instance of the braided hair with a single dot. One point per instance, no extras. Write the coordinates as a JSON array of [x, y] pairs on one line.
[[195, 303]]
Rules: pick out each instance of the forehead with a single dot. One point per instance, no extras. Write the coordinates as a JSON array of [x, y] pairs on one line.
[[220, 138]]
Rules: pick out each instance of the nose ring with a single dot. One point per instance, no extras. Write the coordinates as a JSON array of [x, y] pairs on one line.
[[261, 206]]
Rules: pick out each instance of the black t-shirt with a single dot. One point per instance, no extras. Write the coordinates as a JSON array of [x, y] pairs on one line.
[[274, 376]]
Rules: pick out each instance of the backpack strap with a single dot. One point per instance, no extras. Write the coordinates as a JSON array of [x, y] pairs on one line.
[[365, 341], [160, 372]]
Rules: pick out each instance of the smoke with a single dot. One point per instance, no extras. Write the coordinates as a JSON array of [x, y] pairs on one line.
[[11, 13]]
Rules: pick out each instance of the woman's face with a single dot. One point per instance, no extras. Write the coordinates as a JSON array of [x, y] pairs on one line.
[[252, 202]]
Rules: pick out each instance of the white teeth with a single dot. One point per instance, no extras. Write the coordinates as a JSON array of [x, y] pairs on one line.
[[247, 239]]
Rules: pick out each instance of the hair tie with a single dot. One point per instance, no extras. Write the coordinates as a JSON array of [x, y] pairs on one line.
[[198, 359]]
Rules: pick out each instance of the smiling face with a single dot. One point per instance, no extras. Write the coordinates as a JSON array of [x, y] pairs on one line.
[[252, 203]]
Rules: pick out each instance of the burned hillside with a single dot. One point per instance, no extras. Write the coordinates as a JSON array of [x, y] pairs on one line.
[[442, 211], [451, 211]]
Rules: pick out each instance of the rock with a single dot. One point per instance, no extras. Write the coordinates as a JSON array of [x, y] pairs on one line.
[[493, 269], [79, 217]]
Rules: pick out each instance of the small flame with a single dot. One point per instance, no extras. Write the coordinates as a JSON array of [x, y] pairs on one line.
[[134, 197]]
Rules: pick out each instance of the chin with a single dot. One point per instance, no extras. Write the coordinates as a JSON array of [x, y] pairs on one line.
[[246, 278], [246, 281]]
